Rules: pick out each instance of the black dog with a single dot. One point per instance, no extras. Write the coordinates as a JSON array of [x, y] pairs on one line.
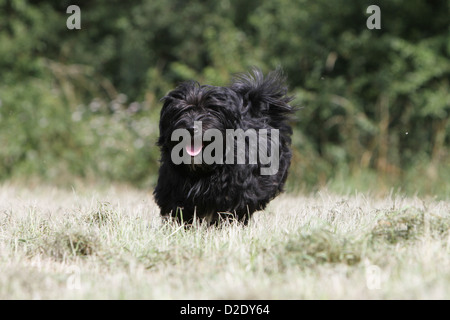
[[229, 181]]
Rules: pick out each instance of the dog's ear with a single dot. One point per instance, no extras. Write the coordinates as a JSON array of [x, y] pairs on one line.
[[175, 102], [263, 96]]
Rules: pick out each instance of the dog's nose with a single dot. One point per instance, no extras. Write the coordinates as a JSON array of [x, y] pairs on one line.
[[193, 129]]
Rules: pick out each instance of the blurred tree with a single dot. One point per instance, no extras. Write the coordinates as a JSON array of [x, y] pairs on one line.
[[85, 102]]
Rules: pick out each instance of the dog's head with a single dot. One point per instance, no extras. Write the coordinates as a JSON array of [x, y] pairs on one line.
[[192, 109]]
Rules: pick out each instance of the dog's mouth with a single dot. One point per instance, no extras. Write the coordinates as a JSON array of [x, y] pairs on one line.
[[194, 150]]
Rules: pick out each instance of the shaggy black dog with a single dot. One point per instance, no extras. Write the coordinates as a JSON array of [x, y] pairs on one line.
[[229, 181]]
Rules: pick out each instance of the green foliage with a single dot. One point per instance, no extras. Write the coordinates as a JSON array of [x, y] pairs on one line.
[[86, 102]]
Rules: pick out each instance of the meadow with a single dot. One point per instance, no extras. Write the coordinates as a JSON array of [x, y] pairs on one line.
[[90, 242]]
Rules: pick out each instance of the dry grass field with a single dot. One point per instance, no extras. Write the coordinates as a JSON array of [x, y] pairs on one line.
[[94, 243]]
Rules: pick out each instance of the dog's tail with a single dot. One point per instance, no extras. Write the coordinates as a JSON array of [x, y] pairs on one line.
[[264, 96]]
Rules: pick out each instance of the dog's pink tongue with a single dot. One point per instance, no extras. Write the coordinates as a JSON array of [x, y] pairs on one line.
[[192, 151]]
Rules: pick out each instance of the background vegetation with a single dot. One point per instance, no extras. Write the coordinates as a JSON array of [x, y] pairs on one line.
[[85, 103]]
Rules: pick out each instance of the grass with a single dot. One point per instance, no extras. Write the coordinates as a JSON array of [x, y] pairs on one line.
[[93, 243]]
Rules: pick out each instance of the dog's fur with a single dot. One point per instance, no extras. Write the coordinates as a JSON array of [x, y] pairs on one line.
[[213, 191]]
